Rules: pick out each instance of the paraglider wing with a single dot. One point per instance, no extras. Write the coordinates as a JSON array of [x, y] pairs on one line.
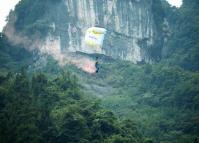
[[95, 36]]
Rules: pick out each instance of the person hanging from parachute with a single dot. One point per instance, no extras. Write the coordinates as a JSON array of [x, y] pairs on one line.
[[96, 65], [94, 38]]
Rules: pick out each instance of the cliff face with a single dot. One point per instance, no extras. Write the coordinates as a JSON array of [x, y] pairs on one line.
[[133, 29]]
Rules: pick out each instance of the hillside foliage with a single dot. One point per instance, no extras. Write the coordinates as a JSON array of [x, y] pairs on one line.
[[41, 110], [149, 103]]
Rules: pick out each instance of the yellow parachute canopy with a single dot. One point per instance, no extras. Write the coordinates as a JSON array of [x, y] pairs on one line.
[[95, 36]]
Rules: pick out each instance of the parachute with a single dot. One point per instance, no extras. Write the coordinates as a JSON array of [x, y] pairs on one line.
[[94, 37]]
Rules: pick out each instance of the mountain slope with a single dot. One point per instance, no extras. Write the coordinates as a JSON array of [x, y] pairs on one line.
[[12, 57], [162, 98], [135, 31], [182, 47], [55, 111]]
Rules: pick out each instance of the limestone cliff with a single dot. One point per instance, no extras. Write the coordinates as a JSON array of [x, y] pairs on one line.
[[134, 31]]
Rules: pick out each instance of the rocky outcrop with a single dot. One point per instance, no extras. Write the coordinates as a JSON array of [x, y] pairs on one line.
[[134, 32]]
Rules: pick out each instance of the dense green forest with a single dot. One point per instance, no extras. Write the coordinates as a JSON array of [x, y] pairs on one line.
[[12, 57], [183, 45], [134, 103], [162, 99], [54, 111]]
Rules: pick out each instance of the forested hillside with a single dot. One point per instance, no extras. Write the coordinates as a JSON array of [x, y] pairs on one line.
[[162, 99], [158, 102], [183, 44], [12, 57], [54, 111]]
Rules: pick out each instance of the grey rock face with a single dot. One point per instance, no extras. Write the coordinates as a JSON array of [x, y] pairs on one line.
[[132, 32], [132, 35]]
